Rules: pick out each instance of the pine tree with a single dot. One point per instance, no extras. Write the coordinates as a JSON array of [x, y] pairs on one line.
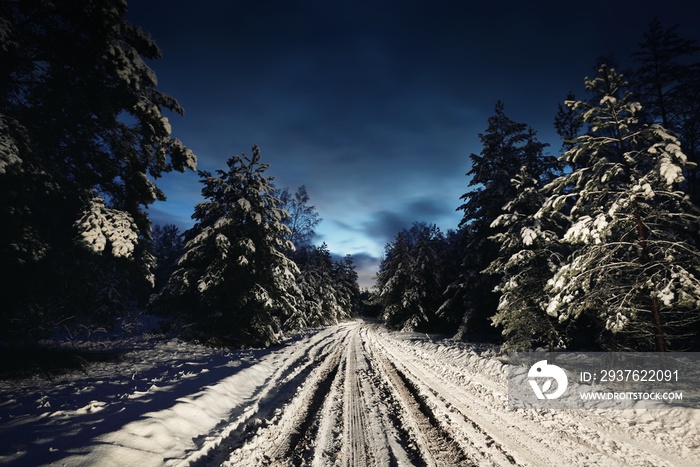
[[507, 146], [234, 278], [635, 264], [82, 136]]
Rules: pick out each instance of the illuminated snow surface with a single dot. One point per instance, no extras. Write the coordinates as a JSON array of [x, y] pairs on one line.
[[352, 394]]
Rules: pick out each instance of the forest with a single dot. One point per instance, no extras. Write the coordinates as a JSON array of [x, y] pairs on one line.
[[593, 245], [596, 248]]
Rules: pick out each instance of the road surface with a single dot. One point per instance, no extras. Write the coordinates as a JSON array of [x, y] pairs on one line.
[[356, 395], [353, 394]]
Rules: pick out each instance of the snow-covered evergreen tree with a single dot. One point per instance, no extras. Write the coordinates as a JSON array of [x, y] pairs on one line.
[[410, 280], [347, 287], [568, 122], [530, 251], [313, 281], [328, 294], [234, 273], [507, 146], [82, 137], [635, 264]]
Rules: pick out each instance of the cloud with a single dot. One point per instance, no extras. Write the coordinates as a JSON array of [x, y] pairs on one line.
[[384, 225], [166, 216], [381, 227]]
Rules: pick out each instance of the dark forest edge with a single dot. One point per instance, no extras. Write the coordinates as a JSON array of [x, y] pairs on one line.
[[596, 248]]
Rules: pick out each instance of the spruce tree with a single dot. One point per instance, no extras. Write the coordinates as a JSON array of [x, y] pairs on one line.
[[234, 280], [393, 280], [568, 122], [635, 265], [168, 245], [329, 289], [347, 287], [529, 252], [315, 285]]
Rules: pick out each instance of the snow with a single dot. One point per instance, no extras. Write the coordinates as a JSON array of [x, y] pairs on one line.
[[223, 244], [166, 125], [244, 204], [350, 394], [528, 235], [247, 244], [617, 322], [580, 232], [600, 223], [670, 172], [587, 229], [9, 152], [100, 226], [666, 295]]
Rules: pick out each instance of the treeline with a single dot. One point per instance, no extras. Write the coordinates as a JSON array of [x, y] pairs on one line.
[[83, 138], [596, 248]]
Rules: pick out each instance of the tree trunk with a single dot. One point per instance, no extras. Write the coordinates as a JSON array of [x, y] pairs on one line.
[[646, 258]]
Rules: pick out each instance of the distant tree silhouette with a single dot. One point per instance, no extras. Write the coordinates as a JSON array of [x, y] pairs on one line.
[[168, 245], [303, 218], [412, 277], [568, 122], [667, 84]]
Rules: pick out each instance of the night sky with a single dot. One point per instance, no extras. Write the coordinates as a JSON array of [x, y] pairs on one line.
[[374, 106]]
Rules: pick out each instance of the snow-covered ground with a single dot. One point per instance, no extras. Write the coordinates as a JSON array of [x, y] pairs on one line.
[[352, 394]]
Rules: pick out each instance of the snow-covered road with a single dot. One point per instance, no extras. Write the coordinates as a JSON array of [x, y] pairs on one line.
[[358, 395]]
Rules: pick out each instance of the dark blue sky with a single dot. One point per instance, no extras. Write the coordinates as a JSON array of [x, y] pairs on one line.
[[375, 106]]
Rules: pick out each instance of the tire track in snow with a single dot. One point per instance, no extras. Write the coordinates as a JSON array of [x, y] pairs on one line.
[[435, 446], [479, 435], [361, 446], [354, 409], [354, 394], [264, 406], [367, 398], [531, 437]]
